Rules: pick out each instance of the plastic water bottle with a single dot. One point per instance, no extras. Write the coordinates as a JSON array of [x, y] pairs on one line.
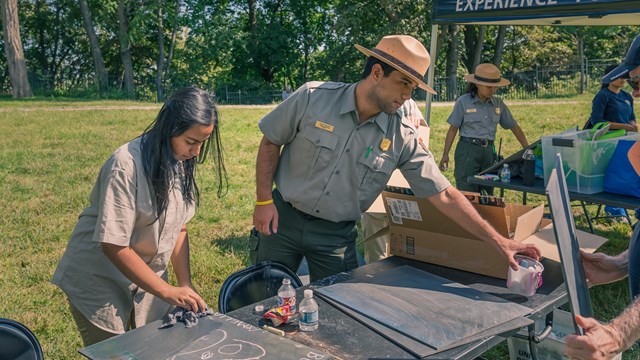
[[505, 174], [308, 320], [287, 295]]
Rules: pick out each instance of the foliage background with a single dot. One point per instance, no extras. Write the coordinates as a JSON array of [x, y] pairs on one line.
[[264, 44]]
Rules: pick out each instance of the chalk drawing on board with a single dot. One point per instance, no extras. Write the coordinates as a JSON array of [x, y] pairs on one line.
[[216, 337], [206, 347], [565, 230]]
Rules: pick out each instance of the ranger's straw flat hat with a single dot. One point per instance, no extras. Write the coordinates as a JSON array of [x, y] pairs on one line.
[[405, 54], [487, 75]]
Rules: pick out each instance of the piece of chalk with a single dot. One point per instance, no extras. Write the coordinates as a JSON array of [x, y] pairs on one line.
[[273, 330]]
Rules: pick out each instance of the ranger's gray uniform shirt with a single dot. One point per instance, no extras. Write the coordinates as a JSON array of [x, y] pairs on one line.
[[480, 120], [121, 212], [333, 168]]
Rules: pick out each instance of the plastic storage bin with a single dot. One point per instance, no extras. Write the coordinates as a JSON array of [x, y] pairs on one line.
[[584, 161]]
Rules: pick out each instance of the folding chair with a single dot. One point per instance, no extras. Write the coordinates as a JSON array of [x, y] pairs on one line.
[[17, 342], [252, 284]]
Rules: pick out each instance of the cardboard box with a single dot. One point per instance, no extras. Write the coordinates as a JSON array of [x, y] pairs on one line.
[[419, 231]]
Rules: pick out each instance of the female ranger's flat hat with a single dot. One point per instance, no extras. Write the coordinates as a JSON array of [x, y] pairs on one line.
[[631, 61], [405, 54], [487, 75]]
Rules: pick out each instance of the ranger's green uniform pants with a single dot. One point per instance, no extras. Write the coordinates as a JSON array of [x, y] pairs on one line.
[[330, 247], [470, 159]]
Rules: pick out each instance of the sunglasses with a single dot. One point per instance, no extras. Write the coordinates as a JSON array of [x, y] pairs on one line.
[[634, 82]]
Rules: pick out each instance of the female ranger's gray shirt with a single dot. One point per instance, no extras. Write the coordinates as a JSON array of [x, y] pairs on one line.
[[480, 120], [121, 212], [333, 168]]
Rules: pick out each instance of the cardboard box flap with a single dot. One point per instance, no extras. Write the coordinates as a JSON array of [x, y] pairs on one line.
[[528, 223], [545, 239], [495, 216]]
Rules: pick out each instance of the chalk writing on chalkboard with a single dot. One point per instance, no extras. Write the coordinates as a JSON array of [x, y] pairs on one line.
[[216, 337]]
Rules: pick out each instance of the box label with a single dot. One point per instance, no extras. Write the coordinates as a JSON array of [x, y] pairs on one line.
[[403, 209]]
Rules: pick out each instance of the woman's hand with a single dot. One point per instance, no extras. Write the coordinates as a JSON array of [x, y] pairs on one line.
[[184, 296], [444, 163]]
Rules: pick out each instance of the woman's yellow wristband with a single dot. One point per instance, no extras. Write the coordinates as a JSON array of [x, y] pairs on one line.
[[266, 202]]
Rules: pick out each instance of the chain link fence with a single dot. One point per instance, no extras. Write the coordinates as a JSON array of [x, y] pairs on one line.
[[537, 83]]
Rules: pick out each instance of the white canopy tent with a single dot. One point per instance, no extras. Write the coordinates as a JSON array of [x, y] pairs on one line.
[[527, 12]]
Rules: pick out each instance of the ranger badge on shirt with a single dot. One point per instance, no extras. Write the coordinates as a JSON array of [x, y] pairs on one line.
[[384, 144]]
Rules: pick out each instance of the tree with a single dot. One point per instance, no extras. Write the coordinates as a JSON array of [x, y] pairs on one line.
[[160, 62], [13, 48], [473, 40], [172, 42], [452, 63], [125, 47], [101, 76], [497, 55]]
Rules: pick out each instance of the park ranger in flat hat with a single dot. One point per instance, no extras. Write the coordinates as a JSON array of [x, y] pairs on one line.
[[476, 115], [331, 148]]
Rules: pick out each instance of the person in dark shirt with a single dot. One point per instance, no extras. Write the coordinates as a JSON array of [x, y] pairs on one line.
[[615, 106]]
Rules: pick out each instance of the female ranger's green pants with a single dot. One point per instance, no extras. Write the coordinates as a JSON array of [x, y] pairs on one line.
[[470, 159]]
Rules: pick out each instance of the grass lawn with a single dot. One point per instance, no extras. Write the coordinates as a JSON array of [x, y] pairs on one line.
[[51, 153]]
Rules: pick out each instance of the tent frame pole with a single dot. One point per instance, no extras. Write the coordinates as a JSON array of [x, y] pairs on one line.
[[431, 72]]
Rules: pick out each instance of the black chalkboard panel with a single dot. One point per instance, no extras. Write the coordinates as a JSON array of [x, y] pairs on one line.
[[215, 337]]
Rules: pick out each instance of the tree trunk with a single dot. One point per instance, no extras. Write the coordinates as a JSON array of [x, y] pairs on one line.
[[253, 23], [160, 64], [172, 44], [452, 64], [101, 77], [583, 78], [125, 47], [497, 56], [473, 41], [477, 51], [13, 49]]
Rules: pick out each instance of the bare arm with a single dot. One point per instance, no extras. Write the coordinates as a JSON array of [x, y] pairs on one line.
[[628, 127], [603, 341], [136, 270], [448, 141], [180, 258], [522, 139], [600, 268], [454, 205], [266, 165]]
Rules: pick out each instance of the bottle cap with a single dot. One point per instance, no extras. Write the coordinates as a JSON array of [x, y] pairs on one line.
[[286, 281], [308, 293]]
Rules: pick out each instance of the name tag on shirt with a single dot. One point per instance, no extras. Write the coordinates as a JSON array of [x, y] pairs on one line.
[[324, 126], [470, 111]]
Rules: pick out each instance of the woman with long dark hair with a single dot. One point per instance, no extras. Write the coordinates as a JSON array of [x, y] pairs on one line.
[[114, 270]]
